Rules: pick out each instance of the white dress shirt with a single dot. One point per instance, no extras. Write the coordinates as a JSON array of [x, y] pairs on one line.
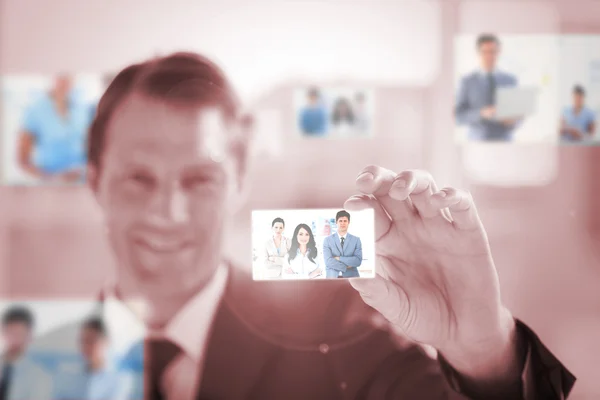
[[302, 266], [188, 329], [342, 237]]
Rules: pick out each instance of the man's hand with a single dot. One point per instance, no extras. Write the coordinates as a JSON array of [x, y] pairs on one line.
[[488, 112], [436, 281], [337, 258]]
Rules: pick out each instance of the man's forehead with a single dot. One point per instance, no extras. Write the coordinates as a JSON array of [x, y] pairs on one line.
[[150, 123]]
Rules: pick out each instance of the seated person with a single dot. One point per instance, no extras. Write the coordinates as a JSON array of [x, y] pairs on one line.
[[578, 121]]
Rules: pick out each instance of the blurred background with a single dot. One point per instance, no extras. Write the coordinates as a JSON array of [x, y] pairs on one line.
[[539, 202]]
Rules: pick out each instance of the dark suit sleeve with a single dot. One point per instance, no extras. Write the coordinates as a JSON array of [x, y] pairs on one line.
[[543, 376], [408, 374]]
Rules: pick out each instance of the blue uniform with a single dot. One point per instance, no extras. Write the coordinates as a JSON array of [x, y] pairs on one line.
[[313, 121], [580, 121], [59, 142]]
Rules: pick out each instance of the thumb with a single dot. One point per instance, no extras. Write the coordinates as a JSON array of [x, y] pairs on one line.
[[384, 296]]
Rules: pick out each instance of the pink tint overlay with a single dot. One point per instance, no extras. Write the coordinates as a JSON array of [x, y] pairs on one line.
[[544, 238]]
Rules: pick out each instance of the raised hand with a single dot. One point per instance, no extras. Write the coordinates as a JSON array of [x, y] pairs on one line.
[[436, 281]]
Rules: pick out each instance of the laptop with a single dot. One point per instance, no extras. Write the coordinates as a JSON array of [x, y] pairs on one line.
[[515, 102]]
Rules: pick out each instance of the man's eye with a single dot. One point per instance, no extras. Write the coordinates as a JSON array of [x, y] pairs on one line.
[[142, 179], [196, 181]]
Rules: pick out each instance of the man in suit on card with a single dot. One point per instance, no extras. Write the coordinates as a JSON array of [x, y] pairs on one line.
[[168, 184], [342, 251]]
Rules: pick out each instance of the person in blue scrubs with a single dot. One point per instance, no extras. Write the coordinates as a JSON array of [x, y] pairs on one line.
[[98, 378], [313, 117], [52, 140], [578, 122]]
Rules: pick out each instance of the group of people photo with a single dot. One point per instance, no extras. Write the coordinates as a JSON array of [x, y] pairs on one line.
[[306, 255], [334, 112], [527, 89]]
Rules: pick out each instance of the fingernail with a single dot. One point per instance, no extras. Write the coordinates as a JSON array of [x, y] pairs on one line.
[[365, 176], [441, 194], [399, 184]]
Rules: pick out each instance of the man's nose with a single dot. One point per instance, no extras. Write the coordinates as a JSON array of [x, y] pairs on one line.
[[171, 204]]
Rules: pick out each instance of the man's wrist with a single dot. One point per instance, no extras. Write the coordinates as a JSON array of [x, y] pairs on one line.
[[495, 363]]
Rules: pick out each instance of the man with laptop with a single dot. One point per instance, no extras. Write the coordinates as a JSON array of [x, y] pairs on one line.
[[489, 101]]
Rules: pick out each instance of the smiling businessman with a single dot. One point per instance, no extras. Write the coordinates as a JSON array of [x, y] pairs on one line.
[[168, 190]]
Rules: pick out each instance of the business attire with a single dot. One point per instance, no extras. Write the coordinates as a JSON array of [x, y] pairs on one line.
[[85, 384], [349, 249], [273, 268], [24, 380], [301, 265], [581, 121], [238, 352], [313, 121], [476, 91], [59, 141]]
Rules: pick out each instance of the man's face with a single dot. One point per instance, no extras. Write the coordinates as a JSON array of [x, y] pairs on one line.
[[62, 85], [342, 224], [313, 99], [578, 100], [92, 344], [488, 53], [17, 336], [165, 187]]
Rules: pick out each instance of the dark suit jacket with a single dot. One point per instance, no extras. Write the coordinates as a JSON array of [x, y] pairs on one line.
[[248, 357], [267, 342]]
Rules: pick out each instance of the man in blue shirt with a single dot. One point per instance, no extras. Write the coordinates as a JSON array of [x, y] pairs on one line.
[[313, 118], [476, 99], [97, 379], [578, 123], [52, 141]]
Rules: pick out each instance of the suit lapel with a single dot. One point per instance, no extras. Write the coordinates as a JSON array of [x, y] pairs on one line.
[[336, 239]]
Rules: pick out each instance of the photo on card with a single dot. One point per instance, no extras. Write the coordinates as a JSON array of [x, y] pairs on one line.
[[334, 112], [313, 244]]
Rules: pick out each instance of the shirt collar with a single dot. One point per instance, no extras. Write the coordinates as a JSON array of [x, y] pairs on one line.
[[343, 236], [484, 73], [188, 328]]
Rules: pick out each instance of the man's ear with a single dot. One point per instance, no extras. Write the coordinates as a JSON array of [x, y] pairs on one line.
[[240, 148]]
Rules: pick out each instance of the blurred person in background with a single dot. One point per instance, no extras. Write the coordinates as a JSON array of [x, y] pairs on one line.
[[302, 262], [276, 248], [476, 99], [342, 251], [52, 140], [342, 117], [361, 114], [211, 332], [98, 378], [313, 117], [578, 122], [20, 377]]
